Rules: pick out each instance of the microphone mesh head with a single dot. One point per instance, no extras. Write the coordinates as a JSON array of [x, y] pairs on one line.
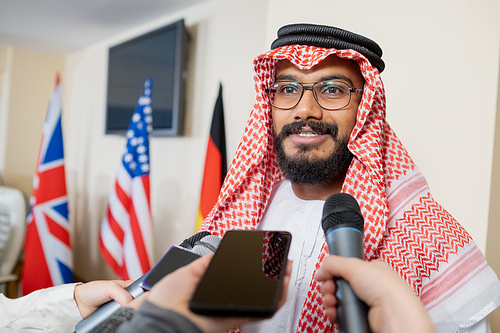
[[342, 210], [206, 245], [189, 243]]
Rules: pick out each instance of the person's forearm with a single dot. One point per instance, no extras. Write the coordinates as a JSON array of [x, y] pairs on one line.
[[51, 310]]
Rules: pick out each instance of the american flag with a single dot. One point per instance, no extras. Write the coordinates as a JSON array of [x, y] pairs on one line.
[[48, 255], [126, 240]]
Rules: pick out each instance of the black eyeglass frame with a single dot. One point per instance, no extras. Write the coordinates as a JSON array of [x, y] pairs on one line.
[[310, 86]]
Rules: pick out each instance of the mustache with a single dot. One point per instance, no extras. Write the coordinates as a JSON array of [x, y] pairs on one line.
[[318, 127]]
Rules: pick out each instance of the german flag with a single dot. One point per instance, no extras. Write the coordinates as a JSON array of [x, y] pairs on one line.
[[215, 163]]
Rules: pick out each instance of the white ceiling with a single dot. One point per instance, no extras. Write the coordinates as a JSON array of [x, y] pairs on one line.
[[63, 26]]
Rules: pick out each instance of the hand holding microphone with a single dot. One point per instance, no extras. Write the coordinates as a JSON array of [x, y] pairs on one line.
[[191, 248], [393, 306], [343, 226]]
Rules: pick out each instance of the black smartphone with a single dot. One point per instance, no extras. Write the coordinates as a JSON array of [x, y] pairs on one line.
[[175, 258], [245, 276]]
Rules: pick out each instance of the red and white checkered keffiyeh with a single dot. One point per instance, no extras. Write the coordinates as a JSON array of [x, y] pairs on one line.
[[404, 226]]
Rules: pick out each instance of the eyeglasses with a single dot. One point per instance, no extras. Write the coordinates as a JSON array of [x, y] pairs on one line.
[[330, 95]]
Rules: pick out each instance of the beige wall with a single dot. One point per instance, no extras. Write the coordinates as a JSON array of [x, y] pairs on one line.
[[5, 70], [32, 77]]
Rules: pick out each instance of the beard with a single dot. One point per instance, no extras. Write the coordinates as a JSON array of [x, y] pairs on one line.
[[304, 168]]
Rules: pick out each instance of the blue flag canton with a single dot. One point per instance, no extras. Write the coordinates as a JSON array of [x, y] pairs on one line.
[[55, 150], [136, 155]]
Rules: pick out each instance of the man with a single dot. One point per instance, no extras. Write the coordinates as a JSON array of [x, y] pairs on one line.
[[319, 123]]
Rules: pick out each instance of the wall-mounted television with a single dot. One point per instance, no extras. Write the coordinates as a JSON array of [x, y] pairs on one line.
[[161, 55]]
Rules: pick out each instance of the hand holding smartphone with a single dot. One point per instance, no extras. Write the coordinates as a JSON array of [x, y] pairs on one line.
[[245, 276]]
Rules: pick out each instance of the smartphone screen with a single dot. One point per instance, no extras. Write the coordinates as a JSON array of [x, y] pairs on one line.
[[245, 275]]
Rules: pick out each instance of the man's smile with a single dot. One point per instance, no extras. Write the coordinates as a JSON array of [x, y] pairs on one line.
[[308, 133]]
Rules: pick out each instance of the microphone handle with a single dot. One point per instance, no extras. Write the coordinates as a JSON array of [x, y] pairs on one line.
[[352, 313], [107, 309]]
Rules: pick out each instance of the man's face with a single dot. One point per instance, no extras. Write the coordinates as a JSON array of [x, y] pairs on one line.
[[310, 141]]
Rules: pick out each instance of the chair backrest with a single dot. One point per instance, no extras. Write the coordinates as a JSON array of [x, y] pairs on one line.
[[13, 212]]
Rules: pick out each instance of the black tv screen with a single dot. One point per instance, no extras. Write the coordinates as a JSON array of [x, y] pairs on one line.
[[161, 55]]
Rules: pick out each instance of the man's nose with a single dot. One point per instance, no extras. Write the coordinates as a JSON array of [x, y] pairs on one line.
[[308, 108]]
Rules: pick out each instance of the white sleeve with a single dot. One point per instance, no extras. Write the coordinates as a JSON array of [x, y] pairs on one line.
[[482, 326], [47, 310]]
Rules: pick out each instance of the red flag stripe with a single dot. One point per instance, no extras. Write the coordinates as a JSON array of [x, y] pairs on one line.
[[143, 211], [118, 218], [108, 257], [145, 185], [212, 179], [123, 197], [47, 188], [58, 231], [138, 240], [36, 267], [111, 242], [115, 227], [140, 220]]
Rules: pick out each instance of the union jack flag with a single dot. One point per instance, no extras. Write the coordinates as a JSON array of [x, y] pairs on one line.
[[48, 255], [126, 240]]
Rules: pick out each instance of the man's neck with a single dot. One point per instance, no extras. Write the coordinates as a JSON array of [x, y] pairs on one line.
[[318, 191]]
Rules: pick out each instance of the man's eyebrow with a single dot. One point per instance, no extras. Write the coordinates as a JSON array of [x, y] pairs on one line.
[[288, 77], [338, 77]]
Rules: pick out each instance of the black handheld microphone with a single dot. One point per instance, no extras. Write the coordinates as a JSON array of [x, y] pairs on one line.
[[343, 226], [177, 256]]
